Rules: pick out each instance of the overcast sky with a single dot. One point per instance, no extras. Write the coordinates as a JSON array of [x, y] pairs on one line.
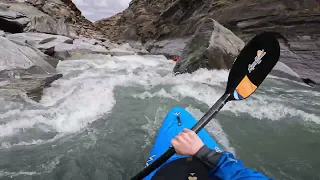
[[98, 9]]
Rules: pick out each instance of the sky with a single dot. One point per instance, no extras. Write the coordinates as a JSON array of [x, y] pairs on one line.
[[97, 9]]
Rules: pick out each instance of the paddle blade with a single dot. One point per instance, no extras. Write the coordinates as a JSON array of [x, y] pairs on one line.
[[252, 66]]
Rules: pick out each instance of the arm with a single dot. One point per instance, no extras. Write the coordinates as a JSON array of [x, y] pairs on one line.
[[225, 166]]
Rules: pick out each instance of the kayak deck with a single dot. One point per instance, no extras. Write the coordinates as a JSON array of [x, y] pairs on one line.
[[175, 121]]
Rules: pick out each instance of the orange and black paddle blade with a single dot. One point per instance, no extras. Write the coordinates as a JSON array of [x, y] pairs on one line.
[[252, 65]]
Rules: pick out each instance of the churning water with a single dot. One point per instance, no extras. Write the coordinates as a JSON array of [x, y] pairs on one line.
[[99, 121]]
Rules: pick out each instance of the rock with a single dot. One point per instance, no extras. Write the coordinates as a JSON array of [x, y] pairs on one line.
[[109, 45], [39, 40], [24, 69], [212, 46], [49, 16], [44, 42], [280, 66], [77, 45], [310, 82], [12, 21], [19, 56], [89, 56], [65, 51], [17, 82], [169, 47], [62, 47], [69, 14], [297, 21], [120, 52], [88, 41], [282, 70], [138, 47], [39, 21], [2, 33]]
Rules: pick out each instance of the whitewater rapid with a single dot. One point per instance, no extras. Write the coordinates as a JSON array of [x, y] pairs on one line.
[[86, 93]]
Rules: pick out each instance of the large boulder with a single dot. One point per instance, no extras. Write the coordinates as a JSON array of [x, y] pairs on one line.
[[12, 21], [18, 82], [65, 11], [44, 42], [24, 69], [17, 55], [39, 21], [212, 46], [39, 39], [168, 47]]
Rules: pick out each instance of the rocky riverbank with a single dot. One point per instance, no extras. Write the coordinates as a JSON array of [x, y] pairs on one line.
[[36, 35]]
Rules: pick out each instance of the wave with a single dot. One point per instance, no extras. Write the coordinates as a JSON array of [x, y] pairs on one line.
[[86, 92]]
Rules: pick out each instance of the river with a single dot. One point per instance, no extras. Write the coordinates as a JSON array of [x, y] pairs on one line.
[[99, 121]]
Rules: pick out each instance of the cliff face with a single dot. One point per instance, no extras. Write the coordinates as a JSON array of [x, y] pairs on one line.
[[62, 13], [72, 16], [297, 20], [139, 21]]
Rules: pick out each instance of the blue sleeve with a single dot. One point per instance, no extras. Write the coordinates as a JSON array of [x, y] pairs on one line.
[[230, 168]]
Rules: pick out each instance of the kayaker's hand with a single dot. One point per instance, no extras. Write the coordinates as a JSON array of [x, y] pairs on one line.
[[187, 143]]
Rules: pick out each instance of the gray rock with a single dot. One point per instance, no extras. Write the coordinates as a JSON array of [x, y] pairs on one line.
[[138, 47], [80, 46], [12, 21], [282, 70], [24, 70], [19, 56], [280, 66], [39, 40], [17, 82], [302, 55], [109, 45], [37, 20], [122, 50], [2, 33], [65, 51], [89, 56], [168, 47], [88, 41], [212, 46]]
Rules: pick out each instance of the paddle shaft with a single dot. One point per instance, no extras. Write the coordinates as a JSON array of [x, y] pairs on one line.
[[213, 111]]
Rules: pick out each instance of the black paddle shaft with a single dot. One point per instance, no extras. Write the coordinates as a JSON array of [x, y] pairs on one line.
[[213, 111]]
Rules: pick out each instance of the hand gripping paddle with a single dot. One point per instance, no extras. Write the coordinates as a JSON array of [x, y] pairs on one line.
[[251, 67]]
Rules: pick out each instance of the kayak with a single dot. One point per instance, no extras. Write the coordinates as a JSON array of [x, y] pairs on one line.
[[175, 121]]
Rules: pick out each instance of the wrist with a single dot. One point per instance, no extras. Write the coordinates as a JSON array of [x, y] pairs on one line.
[[208, 156]]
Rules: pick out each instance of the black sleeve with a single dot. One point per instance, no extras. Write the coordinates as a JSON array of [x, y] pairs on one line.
[[207, 156]]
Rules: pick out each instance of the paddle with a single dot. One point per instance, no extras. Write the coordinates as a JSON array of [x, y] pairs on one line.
[[251, 67]]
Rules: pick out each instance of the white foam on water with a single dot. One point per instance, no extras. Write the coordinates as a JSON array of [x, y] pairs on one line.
[[6, 145], [86, 93], [264, 107], [14, 174], [153, 125], [161, 93], [50, 165], [214, 128], [288, 80]]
